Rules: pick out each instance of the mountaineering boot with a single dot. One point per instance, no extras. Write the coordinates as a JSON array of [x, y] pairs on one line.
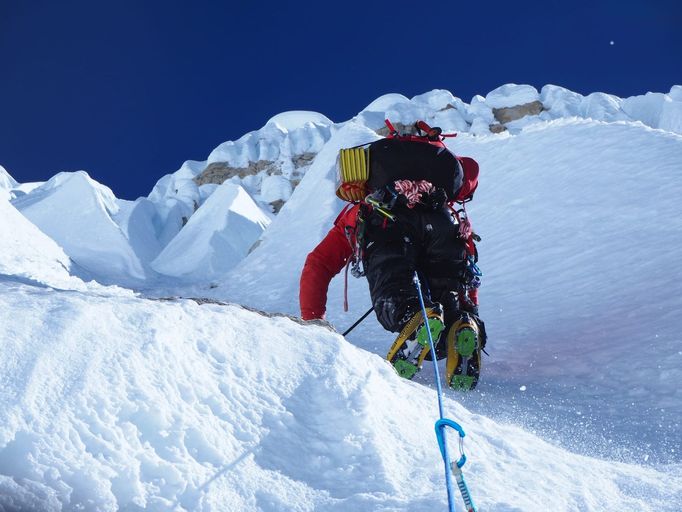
[[464, 344], [412, 344]]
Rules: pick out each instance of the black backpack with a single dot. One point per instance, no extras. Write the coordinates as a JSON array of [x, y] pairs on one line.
[[370, 167]]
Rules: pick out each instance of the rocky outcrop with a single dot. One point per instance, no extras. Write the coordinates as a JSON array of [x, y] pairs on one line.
[[218, 172], [303, 160], [508, 114], [276, 205]]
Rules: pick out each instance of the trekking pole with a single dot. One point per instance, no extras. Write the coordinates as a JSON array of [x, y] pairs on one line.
[[358, 322]]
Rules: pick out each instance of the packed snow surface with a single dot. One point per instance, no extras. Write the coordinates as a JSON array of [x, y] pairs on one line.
[[124, 403], [111, 400]]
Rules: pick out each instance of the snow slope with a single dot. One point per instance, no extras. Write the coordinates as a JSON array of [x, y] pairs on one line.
[[111, 403], [581, 233], [582, 229]]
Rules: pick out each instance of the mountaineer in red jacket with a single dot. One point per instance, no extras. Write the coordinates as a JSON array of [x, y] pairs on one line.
[[403, 226]]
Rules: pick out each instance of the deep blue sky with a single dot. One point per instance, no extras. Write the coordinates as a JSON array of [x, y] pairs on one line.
[[128, 90]]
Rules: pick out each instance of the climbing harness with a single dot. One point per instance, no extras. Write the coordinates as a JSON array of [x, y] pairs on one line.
[[442, 423]]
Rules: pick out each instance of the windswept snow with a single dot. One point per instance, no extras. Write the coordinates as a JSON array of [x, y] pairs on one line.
[[124, 404]]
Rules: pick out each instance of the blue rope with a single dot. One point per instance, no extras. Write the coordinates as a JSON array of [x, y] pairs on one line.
[[444, 422], [444, 446]]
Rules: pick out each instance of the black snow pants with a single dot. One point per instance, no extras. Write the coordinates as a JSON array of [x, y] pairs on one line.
[[419, 239]]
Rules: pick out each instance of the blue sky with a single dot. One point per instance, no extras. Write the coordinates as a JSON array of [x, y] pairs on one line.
[[128, 90]]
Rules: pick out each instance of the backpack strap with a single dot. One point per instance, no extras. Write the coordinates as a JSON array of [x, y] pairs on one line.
[[392, 132], [430, 133], [433, 134]]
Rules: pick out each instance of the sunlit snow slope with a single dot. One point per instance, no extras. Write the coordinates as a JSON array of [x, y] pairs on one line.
[[122, 403]]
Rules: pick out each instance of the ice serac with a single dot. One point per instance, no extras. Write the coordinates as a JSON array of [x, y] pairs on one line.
[[284, 148], [175, 197], [137, 222], [657, 110], [216, 237], [76, 212], [283, 137], [28, 254], [259, 161]]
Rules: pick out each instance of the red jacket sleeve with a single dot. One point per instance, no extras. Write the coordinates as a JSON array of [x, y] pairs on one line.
[[321, 265]]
